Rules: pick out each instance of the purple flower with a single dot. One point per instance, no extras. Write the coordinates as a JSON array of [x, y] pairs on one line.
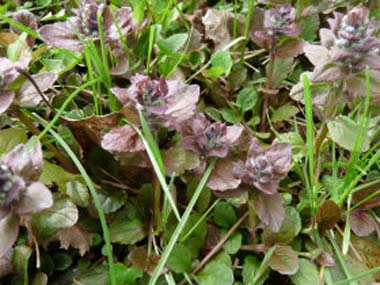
[[209, 139], [280, 21], [20, 192], [346, 49], [277, 22], [84, 25], [169, 102], [276, 30], [265, 168], [351, 38]]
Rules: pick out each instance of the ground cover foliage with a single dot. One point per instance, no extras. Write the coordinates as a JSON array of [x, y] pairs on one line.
[[189, 142]]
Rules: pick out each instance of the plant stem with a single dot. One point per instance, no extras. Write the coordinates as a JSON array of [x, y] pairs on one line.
[[251, 218], [322, 133], [157, 203], [267, 93]]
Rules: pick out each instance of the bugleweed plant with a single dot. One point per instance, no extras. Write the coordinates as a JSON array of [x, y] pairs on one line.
[[172, 142]]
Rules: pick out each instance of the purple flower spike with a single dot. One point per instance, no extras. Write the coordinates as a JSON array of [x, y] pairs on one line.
[[166, 102], [277, 22], [266, 167], [209, 139], [84, 25], [280, 20]]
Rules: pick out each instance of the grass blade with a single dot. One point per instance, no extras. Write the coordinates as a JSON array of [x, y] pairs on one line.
[[94, 194], [165, 255], [310, 142]]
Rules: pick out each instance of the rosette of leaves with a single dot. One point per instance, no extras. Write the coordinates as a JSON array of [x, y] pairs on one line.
[[78, 29], [163, 102], [276, 30], [208, 140], [346, 49], [259, 174], [265, 168], [21, 195]]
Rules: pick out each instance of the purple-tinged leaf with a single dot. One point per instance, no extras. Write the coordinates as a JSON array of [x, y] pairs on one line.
[[328, 215], [37, 197], [88, 131], [123, 139], [62, 35], [6, 99], [28, 95], [27, 19], [76, 237], [284, 260], [24, 162], [362, 224], [8, 232], [270, 209], [291, 48], [316, 54], [222, 177], [6, 266]]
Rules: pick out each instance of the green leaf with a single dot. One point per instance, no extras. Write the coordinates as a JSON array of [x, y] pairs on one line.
[[290, 228], [173, 43], [204, 199], [250, 270], [224, 214], [231, 116], [307, 273], [285, 112], [217, 271], [233, 244], [133, 273], [62, 214], [96, 276], [246, 99], [138, 10], [11, 137], [282, 69], [297, 143], [40, 279], [180, 259], [127, 232], [61, 61], [213, 113], [309, 27], [62, 261], [215, 71], [20, 259], [14, 50], [177, 160], [111, 203], [221, 62], [53, 173], [343, 130], [78, 193]]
